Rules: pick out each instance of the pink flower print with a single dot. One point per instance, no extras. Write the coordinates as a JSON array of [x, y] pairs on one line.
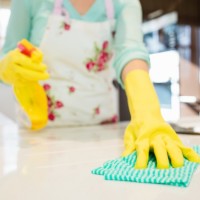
[[51, 116], [104, 56], [72, 89], [100, 60], [105, 45], [100, 65], [66, 26], [46, 87], [97, 111], [58, 104], [53, 104], [114, 119], [90, 65], [50, 103]]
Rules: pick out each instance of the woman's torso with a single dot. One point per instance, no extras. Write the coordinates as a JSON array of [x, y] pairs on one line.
[[41, 9]]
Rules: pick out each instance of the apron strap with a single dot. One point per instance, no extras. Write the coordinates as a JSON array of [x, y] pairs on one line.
[[109, 9], [58, 7], [60, 10]]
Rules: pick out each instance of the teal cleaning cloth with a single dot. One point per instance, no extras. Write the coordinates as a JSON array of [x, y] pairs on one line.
[[122, 169]]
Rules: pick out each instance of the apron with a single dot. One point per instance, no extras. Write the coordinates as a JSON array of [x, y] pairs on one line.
[[79, 55]]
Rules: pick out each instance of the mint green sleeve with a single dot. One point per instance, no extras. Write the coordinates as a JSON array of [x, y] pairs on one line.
[[19, 25], [129, 37]]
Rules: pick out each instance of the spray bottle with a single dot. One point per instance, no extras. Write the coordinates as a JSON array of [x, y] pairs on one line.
[[30, 94]]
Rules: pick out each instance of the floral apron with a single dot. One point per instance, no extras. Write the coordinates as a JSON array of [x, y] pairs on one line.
[[79, 57]]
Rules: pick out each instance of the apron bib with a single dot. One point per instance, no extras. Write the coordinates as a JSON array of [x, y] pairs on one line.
[[79, 55]]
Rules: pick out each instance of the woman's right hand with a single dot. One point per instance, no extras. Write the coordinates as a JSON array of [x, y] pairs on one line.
[[16, 66]]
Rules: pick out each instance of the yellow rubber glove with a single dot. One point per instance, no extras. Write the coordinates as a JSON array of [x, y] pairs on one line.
[[23, 68], [147, 130], [16, 66], [33, 100]]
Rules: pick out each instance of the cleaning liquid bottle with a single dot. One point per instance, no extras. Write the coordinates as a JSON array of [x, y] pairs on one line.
[[30, 94]]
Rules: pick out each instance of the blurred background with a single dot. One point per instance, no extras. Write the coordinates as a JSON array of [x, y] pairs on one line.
[[172, 35]]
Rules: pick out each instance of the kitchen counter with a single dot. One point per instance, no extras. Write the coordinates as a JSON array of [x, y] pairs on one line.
[[56, 164]]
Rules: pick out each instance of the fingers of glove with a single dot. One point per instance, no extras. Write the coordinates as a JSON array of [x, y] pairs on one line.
[[30, 74], [26, 62], [128, 150], [190, 154], [142, 154], [174, 152], [26, 48], [37, 56], [129, 141], [160, 153], [129, 137]]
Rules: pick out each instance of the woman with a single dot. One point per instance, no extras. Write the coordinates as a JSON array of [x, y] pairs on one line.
[[79, 41]]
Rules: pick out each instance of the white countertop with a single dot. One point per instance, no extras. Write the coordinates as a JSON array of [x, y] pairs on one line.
[[56, 164]]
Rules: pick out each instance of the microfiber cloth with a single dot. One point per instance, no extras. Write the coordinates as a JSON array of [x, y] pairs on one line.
[[122, 169]]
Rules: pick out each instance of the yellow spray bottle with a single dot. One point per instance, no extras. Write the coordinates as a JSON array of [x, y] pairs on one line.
[[30, 94]]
